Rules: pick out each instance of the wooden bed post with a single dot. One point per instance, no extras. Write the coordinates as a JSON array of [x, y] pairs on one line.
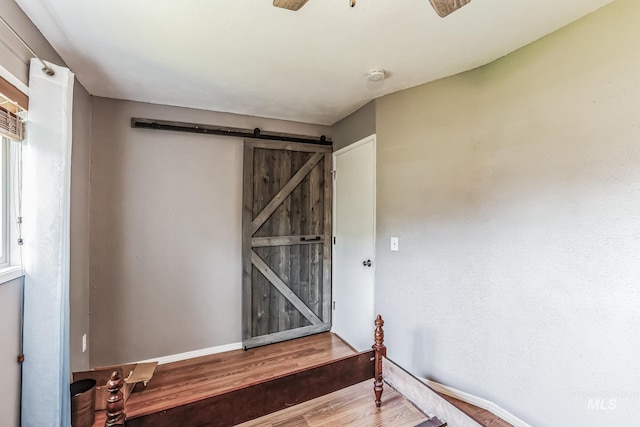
[[380, 352], [115, 402]]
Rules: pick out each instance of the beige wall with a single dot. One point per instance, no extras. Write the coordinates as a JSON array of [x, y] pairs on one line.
[[515, 192], [15, 59], [356, 126], [165, 231]]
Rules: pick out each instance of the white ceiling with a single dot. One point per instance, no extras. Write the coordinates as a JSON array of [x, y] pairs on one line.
[[245, 56]]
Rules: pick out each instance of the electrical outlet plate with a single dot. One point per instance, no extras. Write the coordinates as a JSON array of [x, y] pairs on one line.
[[84, 343]]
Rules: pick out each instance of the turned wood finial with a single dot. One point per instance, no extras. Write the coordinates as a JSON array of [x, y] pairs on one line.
[[380, 352], [115, 402], [378, 336]]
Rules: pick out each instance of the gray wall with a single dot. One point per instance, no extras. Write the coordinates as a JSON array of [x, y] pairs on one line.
[[15, 58], [515, 192], [357, 125], [165, 231]]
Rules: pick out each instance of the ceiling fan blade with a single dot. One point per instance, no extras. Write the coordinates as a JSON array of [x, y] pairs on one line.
[[445, 7], [289, 4]]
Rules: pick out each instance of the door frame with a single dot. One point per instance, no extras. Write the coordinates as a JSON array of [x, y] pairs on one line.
[[366, 140]]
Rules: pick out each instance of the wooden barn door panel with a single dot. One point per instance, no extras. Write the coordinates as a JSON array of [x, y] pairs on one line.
[[286, 241]]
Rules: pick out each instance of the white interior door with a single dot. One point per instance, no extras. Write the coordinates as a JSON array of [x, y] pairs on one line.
[[354, 243]]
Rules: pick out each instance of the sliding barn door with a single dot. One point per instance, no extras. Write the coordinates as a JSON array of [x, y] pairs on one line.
[[286, 241]]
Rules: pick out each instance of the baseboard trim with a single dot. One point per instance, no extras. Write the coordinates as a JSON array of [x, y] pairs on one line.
[[477, 401], [195, 353]]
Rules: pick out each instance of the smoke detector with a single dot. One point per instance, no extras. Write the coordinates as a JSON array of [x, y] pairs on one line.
[[376, 75]]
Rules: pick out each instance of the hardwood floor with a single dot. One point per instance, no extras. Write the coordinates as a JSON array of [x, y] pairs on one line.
[[195, 379], [482, 416], [352, 406]]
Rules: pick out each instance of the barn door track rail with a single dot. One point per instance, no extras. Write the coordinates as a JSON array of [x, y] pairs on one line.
[[139, 123]]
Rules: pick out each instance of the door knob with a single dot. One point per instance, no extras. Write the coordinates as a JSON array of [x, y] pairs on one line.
[[366, 263]]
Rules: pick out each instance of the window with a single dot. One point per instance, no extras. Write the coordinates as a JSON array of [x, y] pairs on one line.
[[12, 130]]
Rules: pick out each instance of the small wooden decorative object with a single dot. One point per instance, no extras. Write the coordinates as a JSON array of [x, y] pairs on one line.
[[380, 352], [115, 402]]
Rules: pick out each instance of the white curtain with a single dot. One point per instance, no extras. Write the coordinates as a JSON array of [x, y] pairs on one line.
[[47, 178]]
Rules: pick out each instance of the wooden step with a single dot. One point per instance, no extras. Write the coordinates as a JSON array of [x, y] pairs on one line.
[[191, 383], [265, 397]]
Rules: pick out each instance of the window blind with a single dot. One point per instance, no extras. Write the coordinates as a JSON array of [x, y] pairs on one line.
[[12, 119], [13, 115]]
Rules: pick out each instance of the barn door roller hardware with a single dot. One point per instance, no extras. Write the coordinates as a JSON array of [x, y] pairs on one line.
[[226, 131]]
